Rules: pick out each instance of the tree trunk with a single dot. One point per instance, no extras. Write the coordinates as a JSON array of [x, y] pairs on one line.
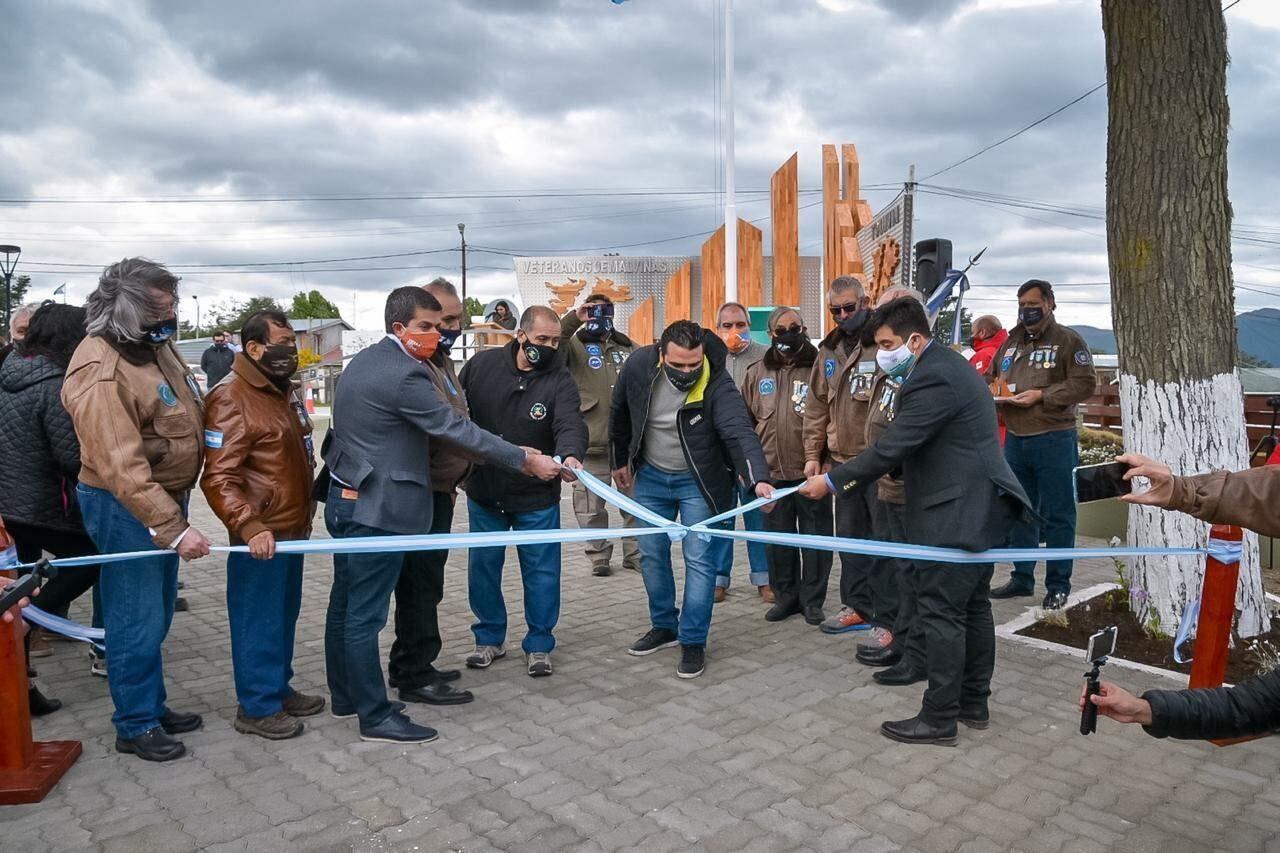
[[1169, 248]]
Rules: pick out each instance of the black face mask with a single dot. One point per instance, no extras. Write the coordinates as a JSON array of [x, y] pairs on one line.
[[448, 337], [1030, 316], [852, 324], [682, 380], [788, 341], [279, 361], [540, 357]]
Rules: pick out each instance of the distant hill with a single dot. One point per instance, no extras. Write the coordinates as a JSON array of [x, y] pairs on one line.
[[1258, 331]]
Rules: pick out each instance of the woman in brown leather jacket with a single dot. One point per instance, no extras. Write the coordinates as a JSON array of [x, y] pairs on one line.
[[138, 415]]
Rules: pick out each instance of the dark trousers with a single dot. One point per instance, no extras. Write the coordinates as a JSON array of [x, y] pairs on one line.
[[57, 594], [358, 606], [418, 595], [907, 636], [867, 584], [1043, 465], [264, 598], [954, 605], [799, 575]]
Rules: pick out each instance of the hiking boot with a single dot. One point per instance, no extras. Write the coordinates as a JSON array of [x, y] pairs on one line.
[[693, 661], [539, 664], [657, 638], [152, 745], [484, 656], [303, 705], [277, 726], [846, 620]]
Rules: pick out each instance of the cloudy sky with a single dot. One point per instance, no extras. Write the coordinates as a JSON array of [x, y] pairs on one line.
[[218, 135]]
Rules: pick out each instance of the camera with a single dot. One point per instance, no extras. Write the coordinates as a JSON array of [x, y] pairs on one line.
[[1101, 646]]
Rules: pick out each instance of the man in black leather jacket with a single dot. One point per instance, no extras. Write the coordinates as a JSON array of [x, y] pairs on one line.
[[1252, 707]]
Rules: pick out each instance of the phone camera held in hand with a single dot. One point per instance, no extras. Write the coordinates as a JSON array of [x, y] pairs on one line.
[[1099, 482], [1101, 646]]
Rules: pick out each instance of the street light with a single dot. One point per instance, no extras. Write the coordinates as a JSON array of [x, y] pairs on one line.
[[462, 232], [197, 301], [11, 255]]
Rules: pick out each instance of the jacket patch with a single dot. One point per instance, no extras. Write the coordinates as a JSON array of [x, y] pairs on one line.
[[593, 349], [767, 386], [1082, 357], [212, 438], [1006, 363], [829, 367], [617, 356], [595, 362], [695, 419], [166, 394], [538, 411]]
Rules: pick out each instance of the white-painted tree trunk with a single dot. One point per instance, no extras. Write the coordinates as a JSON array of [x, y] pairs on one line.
[[1193, 426]]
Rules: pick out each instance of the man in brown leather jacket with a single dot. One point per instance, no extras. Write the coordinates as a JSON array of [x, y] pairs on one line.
[[257, 478]]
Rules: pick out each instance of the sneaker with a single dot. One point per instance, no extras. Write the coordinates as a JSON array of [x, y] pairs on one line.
[[398, 728], [657, 638], [39, 647], [693, 661], [97, 665], [484, 656], [846, 620], [539, 664], [877, 638], [303, 705], [277, 726], [1054, 601]]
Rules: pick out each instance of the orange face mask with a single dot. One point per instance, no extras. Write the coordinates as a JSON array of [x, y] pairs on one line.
[[735, 341], [420, 345]]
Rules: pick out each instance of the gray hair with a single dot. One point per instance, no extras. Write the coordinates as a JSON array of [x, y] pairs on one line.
[[733, 306], [779, 312], [441, 285], [27, 310], [898, 291], [847, 282], [123, 302], [531, 315]]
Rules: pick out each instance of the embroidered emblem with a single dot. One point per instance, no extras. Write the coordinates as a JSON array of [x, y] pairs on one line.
[[538, 411], [829, 367], [166, 394], [595, 362], [767, 386], [593, 349], [1082, 357]]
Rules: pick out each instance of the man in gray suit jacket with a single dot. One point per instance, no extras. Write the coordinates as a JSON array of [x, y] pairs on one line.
[[960, 493], [385, 411]]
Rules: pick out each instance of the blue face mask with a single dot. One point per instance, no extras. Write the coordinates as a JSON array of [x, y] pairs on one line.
[[158, 333], [448, 337]]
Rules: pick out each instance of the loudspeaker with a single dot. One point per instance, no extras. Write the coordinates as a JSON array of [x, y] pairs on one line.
[[933, 259]]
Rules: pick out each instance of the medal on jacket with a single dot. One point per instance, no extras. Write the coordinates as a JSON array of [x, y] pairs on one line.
[[799, 394]]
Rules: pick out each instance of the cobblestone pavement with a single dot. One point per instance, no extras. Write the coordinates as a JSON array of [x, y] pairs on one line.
[[775, 748]]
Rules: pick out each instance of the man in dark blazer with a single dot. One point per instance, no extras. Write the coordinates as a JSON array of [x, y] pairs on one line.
[[960, 493], [385, 413]]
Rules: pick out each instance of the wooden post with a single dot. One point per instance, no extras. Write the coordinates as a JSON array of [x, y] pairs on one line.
[[784, 195], [640, 324], [28, 770], [679, 301]]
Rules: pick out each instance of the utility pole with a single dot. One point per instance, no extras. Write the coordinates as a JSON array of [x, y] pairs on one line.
[[197, 301], [462, 234], [730, 207], [11, 255]]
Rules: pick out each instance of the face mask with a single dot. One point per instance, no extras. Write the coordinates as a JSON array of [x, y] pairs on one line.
[[1030, 316], [279, 361], [420, 345], [682, 380], [539, 356], [158, 333], [448, 337], [852, 324], [787, 341], [736, 341], [896, 362]]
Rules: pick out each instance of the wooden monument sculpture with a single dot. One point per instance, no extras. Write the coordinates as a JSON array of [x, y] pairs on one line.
[[784, 200], [750, 270], [844, 214]]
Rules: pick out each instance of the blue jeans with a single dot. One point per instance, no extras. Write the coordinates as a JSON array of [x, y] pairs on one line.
[[263, 600], [137, 609], [358, 605], [1043, 464], [757, 552], [669, 495], [539, 572]]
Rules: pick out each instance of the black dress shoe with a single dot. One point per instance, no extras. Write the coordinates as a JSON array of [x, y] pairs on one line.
[[1012, 589], [444, 674], [814, 615], [916, 730], [39, 704], [878, 657], [436, 693], [975, 719], [153, 745], [781, 610], [180, 605], [898, 675], [176, 722]]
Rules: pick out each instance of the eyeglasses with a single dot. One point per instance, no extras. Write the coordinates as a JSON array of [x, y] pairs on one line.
[[837, 310]]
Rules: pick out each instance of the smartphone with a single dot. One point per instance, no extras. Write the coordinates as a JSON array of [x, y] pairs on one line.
[[1099, 482], [1102, 644]]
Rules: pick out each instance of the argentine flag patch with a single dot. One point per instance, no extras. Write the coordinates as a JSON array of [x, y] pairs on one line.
[[212, 438]]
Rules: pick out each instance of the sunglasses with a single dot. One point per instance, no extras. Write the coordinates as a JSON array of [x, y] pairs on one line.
[[837, 310]]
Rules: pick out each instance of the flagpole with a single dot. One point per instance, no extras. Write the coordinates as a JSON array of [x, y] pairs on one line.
[[730, 207]]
